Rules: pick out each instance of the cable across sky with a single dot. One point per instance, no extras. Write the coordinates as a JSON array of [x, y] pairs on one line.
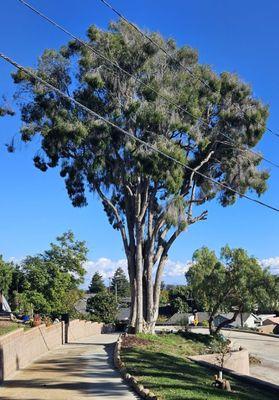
[[168, 54], [115, 65], [136, 139]]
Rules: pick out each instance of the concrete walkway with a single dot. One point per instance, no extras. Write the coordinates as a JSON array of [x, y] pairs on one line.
[[80, 370]]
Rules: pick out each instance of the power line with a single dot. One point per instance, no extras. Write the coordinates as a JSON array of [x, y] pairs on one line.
[[148, 145], [104, 57], [115, 64], [247, 150], [188, 70], [168, 54], [273, 133]]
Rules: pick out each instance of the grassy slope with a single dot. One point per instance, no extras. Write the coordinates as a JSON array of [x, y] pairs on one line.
[[161, 365], [7, 327]]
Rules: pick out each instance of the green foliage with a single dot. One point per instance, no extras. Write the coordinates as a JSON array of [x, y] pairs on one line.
[[94, 155], [178, 299], [120, 284], [6, 275], [97, 284], [164, 297], [102, 307], [160, 363], [235, 281], [4, 110], [48, 283]]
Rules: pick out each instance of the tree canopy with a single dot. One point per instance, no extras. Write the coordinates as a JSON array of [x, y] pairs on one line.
[[97, 284], [102, 307], [147, 197], [120, 284], [235, 282], [48, 283]]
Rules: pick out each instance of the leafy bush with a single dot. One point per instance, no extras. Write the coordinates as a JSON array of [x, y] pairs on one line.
[[102, 308]]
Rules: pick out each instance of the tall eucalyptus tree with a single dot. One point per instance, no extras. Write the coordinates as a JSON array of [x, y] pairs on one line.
[[149, 199]]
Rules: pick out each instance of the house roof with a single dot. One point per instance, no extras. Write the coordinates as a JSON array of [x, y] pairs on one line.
[[123, 314], [80, 305], [243, 316], [263, 317]]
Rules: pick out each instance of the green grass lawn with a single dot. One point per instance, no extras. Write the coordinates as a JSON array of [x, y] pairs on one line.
[[160, 363], [7, 327]]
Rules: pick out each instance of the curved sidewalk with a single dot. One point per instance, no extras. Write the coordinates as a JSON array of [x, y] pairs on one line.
[[80, 370]]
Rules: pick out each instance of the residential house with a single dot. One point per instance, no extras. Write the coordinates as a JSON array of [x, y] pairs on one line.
[[248, 320]]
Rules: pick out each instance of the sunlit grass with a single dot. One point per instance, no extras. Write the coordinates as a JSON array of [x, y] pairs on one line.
[[161, 365]]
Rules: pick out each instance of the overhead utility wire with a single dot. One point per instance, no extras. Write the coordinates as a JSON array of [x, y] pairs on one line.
[[188, 70], [244, 150], [120, 15], [104, 57], [123, 131]]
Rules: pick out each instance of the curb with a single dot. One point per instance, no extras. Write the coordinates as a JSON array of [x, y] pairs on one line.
[[252, 332], [143, 392]]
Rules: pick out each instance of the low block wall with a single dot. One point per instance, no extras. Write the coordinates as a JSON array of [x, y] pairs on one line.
[[20, 348], [79, 329], [237, 361]]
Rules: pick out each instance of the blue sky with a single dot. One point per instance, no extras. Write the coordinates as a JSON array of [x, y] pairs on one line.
[[236, 36]]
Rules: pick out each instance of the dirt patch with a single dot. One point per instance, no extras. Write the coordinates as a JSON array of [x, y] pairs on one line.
[[131, 341]]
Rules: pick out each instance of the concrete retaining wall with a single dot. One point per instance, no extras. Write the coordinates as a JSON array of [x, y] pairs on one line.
[[79, 329], [20, 348], [237, 361]]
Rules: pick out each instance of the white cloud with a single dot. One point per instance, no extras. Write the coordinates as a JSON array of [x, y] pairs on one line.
[[174, 270], [272, 263]]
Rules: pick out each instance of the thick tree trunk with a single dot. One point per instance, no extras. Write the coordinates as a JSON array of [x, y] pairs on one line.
[[139, 278]]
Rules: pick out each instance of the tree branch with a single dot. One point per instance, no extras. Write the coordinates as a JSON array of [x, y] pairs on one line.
[[121, 226]]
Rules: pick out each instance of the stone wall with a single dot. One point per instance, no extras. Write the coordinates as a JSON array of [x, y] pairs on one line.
[[237, 361], [20, 348]]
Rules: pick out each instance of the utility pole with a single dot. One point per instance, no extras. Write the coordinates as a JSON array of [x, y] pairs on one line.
[[116, 292]]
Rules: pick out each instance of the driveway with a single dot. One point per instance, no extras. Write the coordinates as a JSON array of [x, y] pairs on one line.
[[77, 371], [265, 348]]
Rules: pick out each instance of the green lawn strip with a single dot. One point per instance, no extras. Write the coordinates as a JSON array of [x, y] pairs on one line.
[[4, 329], [163, 367]]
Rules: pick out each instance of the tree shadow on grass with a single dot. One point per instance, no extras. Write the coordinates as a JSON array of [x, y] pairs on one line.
[[178, 378]]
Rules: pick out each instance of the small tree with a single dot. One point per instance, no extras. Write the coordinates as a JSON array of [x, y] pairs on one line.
[[102, 307], [97, 284], [179, 299], [235, 282], [120, 284], [49, 282]]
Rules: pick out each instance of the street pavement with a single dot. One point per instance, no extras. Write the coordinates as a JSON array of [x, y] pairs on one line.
[[77, 371], [265, 348]]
